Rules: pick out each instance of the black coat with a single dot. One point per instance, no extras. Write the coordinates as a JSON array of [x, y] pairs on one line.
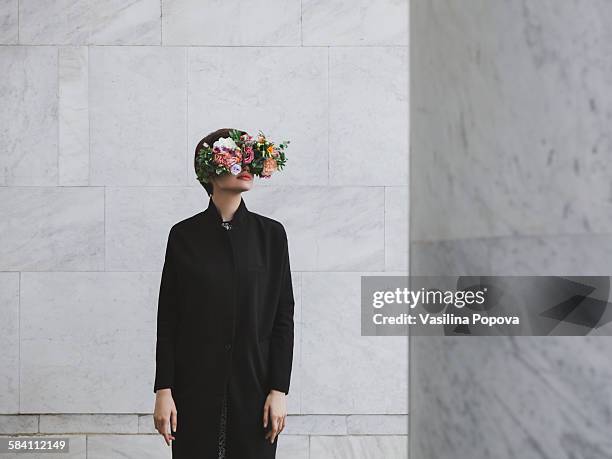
[[224, 319]]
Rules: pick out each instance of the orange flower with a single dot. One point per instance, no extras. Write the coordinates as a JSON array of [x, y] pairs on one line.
[[269, 166]]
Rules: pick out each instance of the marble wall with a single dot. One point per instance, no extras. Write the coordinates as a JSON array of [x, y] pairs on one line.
[[102, 105], [510, 147]]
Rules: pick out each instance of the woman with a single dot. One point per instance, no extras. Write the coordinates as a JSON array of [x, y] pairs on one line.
[[225, 313]]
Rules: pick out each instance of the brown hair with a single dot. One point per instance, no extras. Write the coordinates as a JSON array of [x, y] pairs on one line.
[[210, 139]]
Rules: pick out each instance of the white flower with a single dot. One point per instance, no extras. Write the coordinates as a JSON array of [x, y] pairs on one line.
[[236, 169], [227, 142]]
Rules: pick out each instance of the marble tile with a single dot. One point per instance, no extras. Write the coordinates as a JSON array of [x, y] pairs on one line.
[[396, 228], [117, 22], [459, 257], [368, 116], [316, 425], [510, 119], [85, 423], [84, 328], [569, 255], [52, 228], [284, 94], [73, 161], [9, 22], [370, 446], [261, 22], [138, 220], [338, 229], [54, 22], [136, 446], [342, 22], [344, 372], [375, 424], [293, 447], [87, 22], [9, 342], [146, 423], [564, 255], [510, 397], [18, 424], [29, 115], [137, 109]]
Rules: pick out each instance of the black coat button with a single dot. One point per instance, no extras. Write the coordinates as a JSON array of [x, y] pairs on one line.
[[228, 347]]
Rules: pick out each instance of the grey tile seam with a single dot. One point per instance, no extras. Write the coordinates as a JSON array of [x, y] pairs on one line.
[[88, 115], [328, 116], [19, 344], [184, 45], [186, 146], [58, 128]]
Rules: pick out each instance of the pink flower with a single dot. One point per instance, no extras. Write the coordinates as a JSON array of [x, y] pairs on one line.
[[221, 158], [249, 155], [227, 157]]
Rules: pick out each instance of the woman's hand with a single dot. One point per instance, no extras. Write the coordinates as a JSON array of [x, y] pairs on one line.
[[275, 412], [165, 414]]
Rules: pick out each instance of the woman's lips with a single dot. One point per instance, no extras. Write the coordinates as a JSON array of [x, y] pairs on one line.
[[244, 177]]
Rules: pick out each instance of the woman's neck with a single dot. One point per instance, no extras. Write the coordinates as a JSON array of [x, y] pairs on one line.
[[227, 204]]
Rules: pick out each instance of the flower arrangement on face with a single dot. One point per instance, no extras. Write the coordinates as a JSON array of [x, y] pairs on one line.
[[233, 154]]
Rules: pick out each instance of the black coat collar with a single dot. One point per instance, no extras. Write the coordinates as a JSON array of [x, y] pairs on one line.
[[214, 216]]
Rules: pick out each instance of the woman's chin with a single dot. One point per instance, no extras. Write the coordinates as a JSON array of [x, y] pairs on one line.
[[245, 186]]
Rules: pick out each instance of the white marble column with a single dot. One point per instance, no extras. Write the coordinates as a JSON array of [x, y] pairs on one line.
[[510, 151]]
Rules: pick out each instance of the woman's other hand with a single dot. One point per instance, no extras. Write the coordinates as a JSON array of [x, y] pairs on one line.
[[165, 414], [274, 413]]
